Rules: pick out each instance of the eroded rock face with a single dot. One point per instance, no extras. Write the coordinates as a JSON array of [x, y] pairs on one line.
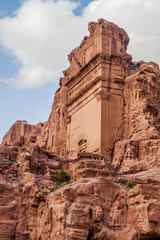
[[142, 103], [114, 192], [98, 209], [17, 133], [23, 178], [138, 149]]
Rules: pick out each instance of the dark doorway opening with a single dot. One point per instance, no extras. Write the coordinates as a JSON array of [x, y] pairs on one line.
[[90, 235]]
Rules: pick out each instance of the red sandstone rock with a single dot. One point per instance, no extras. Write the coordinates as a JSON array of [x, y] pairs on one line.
[[105, 129], [138, 151], [17, 133]]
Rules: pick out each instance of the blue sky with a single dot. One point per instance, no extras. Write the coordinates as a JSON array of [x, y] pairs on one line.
[[37, 35]]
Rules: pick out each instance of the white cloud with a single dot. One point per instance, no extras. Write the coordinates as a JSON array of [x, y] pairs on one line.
[[42, 33]]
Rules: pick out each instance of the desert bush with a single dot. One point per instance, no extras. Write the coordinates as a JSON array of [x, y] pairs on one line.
[[62, 176], [130, 185]]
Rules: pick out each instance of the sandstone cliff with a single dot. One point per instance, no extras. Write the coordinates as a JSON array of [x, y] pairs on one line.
[[114, 187]]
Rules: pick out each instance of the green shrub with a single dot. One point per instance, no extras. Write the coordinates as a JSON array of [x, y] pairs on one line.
[[130, 185], [58, 185], [62, 179], [62, 176]]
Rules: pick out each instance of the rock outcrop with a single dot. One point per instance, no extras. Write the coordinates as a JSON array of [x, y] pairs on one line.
[[137, 149], [109, 151]]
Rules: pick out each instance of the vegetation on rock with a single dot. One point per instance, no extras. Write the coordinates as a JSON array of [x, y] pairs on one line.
[[8, 160], [62, 176]]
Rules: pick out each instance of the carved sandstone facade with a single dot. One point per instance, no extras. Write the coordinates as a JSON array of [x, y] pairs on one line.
[[84, 112], [95, 81]]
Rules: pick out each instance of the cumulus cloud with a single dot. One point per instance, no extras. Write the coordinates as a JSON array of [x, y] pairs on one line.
[[42, 33]]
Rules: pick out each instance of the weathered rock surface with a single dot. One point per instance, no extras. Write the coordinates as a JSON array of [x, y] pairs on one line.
[[138, 150], [99, 209], [110, 196], [141, 104]]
